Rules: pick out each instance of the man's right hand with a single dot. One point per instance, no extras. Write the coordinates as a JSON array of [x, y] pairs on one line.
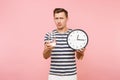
[[48, 46]]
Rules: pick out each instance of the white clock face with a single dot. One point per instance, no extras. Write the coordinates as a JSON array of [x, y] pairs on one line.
[[77, 39]]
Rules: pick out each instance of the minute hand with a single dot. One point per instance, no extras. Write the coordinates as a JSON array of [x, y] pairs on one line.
[[77, 37]]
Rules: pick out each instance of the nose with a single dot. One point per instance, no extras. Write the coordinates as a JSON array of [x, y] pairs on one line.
[[58, 21]]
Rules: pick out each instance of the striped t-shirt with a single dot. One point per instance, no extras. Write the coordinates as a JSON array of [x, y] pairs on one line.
[[62, 56]]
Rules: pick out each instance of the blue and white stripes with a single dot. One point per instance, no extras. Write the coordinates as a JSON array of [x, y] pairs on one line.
[[62, 56]]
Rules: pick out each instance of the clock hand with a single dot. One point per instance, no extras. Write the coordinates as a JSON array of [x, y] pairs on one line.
[[77, 37], [81, 39]]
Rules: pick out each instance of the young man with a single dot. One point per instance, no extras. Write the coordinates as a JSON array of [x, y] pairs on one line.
[[63, 64]]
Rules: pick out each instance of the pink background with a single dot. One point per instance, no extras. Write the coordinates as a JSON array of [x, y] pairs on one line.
[[23, 24]]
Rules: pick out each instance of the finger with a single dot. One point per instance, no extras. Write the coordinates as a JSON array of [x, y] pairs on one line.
[[82, 49], [77, 50]]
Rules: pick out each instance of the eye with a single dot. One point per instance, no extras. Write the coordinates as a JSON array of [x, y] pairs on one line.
[[56, 17], [61, 18]]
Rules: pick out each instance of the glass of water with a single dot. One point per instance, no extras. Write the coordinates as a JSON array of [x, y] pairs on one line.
[[51, 38]]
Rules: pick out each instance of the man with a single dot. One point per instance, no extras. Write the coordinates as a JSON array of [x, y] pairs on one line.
[[63, 64]]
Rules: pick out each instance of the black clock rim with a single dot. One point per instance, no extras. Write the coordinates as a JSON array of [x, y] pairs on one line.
[[79, 30]]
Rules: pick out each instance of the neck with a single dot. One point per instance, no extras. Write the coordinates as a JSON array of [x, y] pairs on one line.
[[62, 30]]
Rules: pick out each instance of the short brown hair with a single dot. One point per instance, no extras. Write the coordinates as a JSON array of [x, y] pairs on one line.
[[58, 10]]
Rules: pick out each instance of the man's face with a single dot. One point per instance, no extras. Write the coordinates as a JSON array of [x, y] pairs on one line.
[[60, 20]]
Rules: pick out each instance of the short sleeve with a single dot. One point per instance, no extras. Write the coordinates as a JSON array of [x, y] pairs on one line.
[[46, 37]]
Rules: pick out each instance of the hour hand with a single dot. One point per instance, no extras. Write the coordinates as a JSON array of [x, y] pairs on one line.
[[79, 39]]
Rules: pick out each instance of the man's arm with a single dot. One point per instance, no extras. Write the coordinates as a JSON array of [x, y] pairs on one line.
[[47, 50], [80, 53]]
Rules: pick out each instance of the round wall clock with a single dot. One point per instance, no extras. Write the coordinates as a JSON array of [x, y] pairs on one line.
[[77, 39]]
